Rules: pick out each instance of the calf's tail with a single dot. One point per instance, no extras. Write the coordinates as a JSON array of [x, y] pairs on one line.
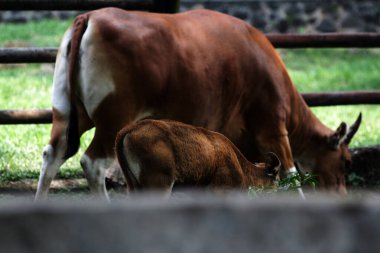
[[121, 155]]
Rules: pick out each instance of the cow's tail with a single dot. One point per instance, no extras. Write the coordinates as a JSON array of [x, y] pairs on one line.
[[72, 134]]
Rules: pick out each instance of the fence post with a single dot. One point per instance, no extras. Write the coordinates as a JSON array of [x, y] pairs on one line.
[[166, 6]]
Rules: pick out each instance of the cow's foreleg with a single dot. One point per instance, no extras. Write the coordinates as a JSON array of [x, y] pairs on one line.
[[281, 147]]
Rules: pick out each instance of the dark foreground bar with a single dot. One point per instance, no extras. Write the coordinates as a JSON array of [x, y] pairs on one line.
[[192, 225]]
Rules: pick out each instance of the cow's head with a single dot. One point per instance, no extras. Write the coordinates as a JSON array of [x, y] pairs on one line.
[[334, 158]]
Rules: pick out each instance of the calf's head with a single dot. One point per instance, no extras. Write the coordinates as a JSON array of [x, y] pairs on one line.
[[267, 172]]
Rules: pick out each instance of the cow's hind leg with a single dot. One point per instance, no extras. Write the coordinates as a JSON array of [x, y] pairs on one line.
[[52, 161], [94, 169], [98, 157], [54, 153]]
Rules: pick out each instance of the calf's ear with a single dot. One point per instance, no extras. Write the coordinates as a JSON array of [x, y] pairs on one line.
[[338, 136], [272, 164]]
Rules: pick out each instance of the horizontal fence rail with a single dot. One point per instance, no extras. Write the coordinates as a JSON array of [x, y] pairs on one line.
[[44, 116], [329, 40], [168, 6], [342, 98], [27, 55], [25, 116], [38, 55]]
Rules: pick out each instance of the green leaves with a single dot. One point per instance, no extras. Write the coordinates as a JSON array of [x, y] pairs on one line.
[[290, 183]]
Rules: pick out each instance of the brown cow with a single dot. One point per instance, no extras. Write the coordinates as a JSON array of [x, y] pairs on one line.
[[200, 67], [157, 154]]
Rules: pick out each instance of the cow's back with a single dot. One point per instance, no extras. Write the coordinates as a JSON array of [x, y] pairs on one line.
[[200, 67]]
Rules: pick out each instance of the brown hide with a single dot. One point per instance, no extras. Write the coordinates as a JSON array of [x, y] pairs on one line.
[[205, 69], [155, 154], [182, 67]]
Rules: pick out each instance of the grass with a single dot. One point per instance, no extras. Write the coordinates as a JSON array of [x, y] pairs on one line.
[[317, 70], [46, 33], [29, 86], [333, 69], [289, 184]]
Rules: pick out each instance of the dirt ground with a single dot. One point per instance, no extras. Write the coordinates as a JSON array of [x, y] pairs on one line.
[[363, 176], [60, 189], [26, 188]]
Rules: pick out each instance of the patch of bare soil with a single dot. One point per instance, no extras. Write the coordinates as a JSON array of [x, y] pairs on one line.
[[30, 185], [60, 190]]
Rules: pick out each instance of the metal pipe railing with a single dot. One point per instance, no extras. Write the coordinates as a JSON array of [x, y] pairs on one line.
[[325, 40], [44, 116], [27, 55], [25, 116], [360, 40], [342, 98]]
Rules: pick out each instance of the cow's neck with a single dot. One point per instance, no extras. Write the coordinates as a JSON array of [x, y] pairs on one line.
[[307, 134]]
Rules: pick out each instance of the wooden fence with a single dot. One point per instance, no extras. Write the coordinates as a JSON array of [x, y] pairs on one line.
[[43, 55]]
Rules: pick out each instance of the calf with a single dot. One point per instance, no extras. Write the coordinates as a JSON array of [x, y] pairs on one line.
[[200, 67], [157, 154]]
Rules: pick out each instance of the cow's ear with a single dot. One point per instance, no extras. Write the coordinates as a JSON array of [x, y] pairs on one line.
[[338, 136], [272, 164]]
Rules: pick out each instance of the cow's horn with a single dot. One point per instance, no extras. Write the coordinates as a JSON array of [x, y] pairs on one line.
[[353, 129]]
